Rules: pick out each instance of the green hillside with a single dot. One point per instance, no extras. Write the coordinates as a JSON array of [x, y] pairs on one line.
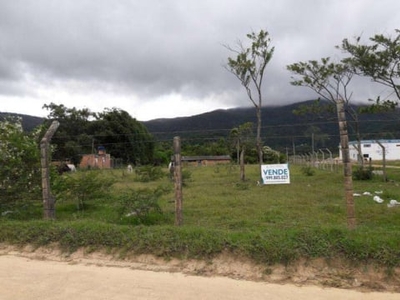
[[28, 122], [281, 128]]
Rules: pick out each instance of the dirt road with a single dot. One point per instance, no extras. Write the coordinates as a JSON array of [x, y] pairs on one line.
[[25, 278]]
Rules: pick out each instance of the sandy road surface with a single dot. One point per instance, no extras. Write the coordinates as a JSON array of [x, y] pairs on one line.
[[25, 278]]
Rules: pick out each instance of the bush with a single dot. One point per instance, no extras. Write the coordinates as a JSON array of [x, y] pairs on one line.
[[81, 186], [363, 173], [20, 163], [139, 204], [149, 173], [186, 177], [308, 170], [271, 156]]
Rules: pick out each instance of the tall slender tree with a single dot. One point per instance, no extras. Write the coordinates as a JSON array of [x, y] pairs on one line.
[[249, 67], [330, 81], [240, 138]]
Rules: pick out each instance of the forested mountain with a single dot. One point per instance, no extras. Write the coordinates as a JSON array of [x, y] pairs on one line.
[[28, 122], [280, 129]]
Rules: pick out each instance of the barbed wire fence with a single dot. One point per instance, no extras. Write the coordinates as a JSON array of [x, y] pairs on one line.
[[302, 149]]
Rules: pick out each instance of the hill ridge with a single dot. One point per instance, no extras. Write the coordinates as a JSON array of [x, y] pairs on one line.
[[280, 126]]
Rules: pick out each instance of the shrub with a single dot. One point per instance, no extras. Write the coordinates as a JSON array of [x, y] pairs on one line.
[[20, 163], [82, 186], [139, 204], [271, 156], [363, 173], [308, 170], [186, 177], [149, 173]]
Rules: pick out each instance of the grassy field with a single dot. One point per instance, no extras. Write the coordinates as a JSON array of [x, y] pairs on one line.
[[269, 224]]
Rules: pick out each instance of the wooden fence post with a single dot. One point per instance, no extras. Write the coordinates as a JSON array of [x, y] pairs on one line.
[[348, 179], [48, 199], [178, 181], [383, 160]]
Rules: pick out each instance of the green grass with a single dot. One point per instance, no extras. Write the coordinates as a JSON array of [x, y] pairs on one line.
[[269, 224]]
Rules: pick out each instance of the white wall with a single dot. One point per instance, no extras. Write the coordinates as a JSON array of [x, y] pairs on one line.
[[371, 149]]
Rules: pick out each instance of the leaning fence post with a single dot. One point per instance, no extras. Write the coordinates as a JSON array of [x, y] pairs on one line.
[[178, 181], [48, 199]]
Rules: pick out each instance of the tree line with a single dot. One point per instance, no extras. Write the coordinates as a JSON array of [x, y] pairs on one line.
[[82, 132]]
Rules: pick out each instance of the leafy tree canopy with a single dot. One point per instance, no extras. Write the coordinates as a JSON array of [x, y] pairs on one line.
[[81, 131], [123, 136], [249, 67], [72, 137], [20, 162], [379, 59]]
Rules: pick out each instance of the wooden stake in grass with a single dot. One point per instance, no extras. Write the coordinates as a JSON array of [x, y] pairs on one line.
[[48, 199], [178, 181], [383, 160], [348, 180]]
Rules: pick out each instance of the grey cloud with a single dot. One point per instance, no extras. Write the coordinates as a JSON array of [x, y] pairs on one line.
[[151, 48]]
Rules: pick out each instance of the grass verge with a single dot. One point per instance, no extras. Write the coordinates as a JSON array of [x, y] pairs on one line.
[[277, 224]]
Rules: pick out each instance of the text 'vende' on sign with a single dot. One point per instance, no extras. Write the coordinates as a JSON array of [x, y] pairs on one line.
[[275, 174]]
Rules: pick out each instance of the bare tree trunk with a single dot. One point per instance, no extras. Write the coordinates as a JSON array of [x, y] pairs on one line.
[[348, 180], [258, 141], [48, 199], [178, 181], [354, 115], [242, 168]]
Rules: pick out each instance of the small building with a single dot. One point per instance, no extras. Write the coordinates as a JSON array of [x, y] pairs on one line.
[[206, 160], [101, 160], [372, 150]]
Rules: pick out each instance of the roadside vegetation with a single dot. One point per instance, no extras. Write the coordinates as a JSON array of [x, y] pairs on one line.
[[269, 224]]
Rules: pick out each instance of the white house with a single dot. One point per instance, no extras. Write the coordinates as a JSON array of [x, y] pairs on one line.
[[372, 150]]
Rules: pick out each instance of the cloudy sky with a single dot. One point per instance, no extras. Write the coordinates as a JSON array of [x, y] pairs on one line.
[[164, 58]]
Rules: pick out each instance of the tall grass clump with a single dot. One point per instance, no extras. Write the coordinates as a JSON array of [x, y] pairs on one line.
[[140, 205]]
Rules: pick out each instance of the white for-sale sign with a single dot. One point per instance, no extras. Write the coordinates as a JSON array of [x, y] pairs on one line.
[[275, 174]]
